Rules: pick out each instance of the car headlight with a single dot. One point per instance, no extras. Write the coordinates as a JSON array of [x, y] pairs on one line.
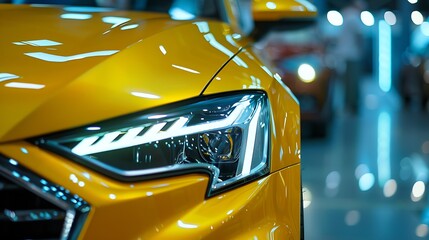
[[225, 136]]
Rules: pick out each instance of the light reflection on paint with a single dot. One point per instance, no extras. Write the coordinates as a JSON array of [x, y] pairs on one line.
[[271, 5], [76, 16], [24, 85], [185, 69], [7, 76], [128, 27], [39, 43], [186, 225], [145, 95], [162, 49], [115, 21], [57, 58]]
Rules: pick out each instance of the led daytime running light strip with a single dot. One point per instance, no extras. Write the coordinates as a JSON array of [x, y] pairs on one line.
[[91, 145]]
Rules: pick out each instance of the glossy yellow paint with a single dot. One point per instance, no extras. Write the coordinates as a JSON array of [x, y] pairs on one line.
[[73, 92], [275, 10], [172, 208], [179, 59]]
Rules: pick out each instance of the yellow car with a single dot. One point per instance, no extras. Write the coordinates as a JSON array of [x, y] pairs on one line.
[[132, 125]]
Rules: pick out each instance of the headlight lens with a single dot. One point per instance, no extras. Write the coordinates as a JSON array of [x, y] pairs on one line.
[[225, 136]]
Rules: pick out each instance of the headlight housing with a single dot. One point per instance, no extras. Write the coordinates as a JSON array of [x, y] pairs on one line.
[[226, 136]]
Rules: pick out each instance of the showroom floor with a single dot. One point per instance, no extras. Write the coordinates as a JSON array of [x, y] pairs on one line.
[[366, 180]]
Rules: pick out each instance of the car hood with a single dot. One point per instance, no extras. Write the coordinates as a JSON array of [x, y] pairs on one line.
[[67, 67]]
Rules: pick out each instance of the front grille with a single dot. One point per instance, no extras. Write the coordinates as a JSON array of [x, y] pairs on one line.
[[32, 207]]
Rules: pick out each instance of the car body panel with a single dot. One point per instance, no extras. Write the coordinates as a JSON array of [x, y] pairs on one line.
[[208, 58], [171, 207], [272, 10], [176, 70]]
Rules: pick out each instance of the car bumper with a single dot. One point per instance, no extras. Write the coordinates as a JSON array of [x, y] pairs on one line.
[[170, 208]]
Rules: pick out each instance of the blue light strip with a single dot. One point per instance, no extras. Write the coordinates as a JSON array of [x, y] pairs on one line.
[[383, 149], [384, 56]]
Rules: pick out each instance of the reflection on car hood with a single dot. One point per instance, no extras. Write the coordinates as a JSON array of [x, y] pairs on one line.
[[67, 67]]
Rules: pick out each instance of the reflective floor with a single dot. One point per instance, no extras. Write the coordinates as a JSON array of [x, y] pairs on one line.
[[367, 178]]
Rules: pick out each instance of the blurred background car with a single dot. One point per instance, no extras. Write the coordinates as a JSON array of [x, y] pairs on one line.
[[128, 124], [300, 59]]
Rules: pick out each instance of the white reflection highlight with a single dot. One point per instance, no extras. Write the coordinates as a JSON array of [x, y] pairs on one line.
[[13, 162], [419, 189], [186, 225], [366, 182], [422, 230], [73, 178], [24, 85], [335, 18], [157, 116], [39, 43], [203, 27], [185, 69], [112, 196], [248, 155], [145, 95], [212, 40], [390, 188], [115, 20], [417, 17], [7, 76], [57, 58], [413, 1], [162, 49], [367, 18], [271, 5], [76, 16], [383, 150], [93, 128], [128, 27]]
